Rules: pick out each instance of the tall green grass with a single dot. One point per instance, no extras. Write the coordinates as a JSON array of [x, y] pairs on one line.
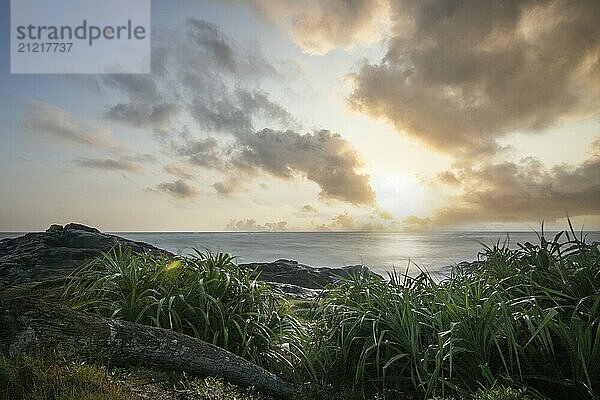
[[524, 320], [206, 296], [528, 317]]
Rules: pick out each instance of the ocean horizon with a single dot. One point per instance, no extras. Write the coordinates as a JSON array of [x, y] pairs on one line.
[[434, 252]]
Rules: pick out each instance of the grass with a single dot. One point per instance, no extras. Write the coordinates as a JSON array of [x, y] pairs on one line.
[[53, 378], [519, 324], [205, 296], [521, 318]]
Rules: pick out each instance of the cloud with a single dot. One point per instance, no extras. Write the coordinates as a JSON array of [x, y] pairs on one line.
[[412, 223], [137, 86], [524, 191], [215, 81], [177, 171], [143, 114], [53, 123], [383, 214], [448, 178], [250, 225], [307, 208], [228, 56], [203, 152], [459, 75], [322, 157], [344, 221], [203, 72], [110, 164], [319, 26], [178, 189], [229, 186]]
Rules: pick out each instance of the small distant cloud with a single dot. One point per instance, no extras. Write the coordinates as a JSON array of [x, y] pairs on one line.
[[228, 187], [344, 221], [412, 223], [178, 189], [110, 164], [383, 214], [53, 123], [307, 208], [177, 171], [448, 178], [250, 225]]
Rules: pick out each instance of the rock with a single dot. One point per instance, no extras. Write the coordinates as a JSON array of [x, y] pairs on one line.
[[294, 291], [54, 228], [79, 227], [54, 254], [291, 272]]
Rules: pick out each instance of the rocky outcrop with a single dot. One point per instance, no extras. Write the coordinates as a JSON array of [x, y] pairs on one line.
[[293, 273], [55, 253]]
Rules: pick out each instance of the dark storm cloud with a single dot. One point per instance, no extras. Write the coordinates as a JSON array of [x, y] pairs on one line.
[[525, 191], [178, 189], [459, 74]]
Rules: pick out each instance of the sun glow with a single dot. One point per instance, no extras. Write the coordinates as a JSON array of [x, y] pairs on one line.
[[399, 193]]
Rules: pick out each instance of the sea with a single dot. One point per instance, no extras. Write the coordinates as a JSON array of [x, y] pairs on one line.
[[433, 252]]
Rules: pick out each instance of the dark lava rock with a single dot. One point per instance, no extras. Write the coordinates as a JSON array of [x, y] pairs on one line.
[[53, 254], [291, 272]]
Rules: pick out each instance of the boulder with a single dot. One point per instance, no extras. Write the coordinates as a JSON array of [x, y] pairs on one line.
[[294, 273], [53, 254]]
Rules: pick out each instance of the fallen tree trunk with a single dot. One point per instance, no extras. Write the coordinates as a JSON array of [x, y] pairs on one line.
[[26, 326]]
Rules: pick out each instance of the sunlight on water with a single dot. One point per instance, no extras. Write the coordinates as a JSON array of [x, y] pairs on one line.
[[380, 251]]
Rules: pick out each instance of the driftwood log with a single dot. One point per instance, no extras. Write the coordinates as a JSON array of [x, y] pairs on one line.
[[28, 325]]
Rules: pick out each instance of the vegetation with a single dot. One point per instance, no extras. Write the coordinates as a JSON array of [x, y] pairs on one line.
[[523, 323], [205, 296], [53, 378], [526, 318]]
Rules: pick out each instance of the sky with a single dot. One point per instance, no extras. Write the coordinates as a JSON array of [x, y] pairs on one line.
[[368, 115]]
